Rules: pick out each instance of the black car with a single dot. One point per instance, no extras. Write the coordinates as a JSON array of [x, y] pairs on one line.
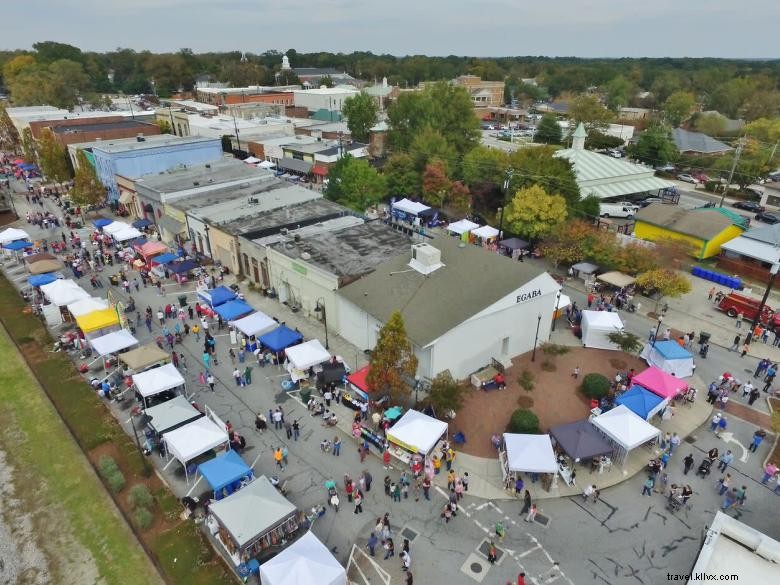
[[749, 206], [768, 217]]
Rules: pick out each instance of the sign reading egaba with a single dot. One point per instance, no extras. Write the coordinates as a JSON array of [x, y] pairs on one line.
[[521, 298]]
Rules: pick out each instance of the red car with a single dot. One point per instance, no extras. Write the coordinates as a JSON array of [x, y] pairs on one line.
[[701, 177]]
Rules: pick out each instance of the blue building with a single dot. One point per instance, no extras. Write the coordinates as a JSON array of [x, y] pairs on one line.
[[147, 155]]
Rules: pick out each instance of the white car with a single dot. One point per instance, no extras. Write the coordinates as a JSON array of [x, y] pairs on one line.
[[687, 178]]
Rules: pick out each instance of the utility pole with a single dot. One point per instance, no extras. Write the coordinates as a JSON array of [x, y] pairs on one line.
[[737, 154], [507, 179]]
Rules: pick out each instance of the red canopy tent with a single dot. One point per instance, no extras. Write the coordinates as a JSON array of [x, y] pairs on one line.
[[150, 249], [357, 380]]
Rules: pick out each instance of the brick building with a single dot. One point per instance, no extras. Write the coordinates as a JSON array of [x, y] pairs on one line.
[[73, 131]]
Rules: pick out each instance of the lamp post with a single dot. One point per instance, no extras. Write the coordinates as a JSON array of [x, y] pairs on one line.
[[772, 274], [507, 179], [557, 307], [536, 337], [657, 327], [320, 308]]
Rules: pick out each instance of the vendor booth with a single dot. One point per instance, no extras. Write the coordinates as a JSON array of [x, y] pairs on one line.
[[141, 358], [217, 296], [280, 338], [101, 222], [86, 306], [256, 521], [41, 279], [194, 439], [129, 233], [304, 356], [586, 271], [97, 320], [31, 259], [357, 383], [625, 430], [596, 327], [255, 324], [164, 259], [63, 292], [226, 474], [513, 247], [305, 562], [17, 246], [12, 234], [157, 380], [415, 432], [561, 304], [181, 268], [171, 415], [641, 402], [44, 266], [113, 342], [580, 440], [526, 453], [660, 383], [232, 310], [114, 227], [409, 208], [670, 357], [141, 224], [151, 249], [486, 233], [616, 279], [461, 227]]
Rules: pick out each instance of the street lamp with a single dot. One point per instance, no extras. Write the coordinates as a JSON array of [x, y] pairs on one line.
[[772, 274], [320, 308], [657, 327], [507, 178], [557, 306], [536, 337]]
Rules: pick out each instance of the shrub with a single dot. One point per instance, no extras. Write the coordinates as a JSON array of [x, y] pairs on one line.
[[595, 386], [144, 518], [140, 497], [524, 422], [526, 380], [548, 366], [555, 349], [107, 466], [116, 481]]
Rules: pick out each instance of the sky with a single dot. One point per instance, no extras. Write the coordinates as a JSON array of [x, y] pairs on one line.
[[481, 28]]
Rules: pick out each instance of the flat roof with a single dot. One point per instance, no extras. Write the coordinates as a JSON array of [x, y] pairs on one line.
[[293, 217], [206, 175], [311, 148], [100, 126], [284, 140], [346, 246], [252, 89], [130, 144], [347, 148], [327, 91]]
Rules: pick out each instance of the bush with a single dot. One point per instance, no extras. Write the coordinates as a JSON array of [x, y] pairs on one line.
[[140, 497], [116, 481], [555, 349], [144, 518], [548, 366], [107, 466], [595, 386], [526, 380], [524, 422]]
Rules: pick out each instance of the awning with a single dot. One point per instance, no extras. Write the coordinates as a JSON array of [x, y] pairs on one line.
[[63, 292], [101, 222], [295, 165], [410, 207], [251, 160], [182, 267], [617, 279], [128, 233], [12, 234], [217, 296], [255, 324], [660, 382], [514, 244], [86, 306], [585, 267], [232, 310], [43, 266], [641, 402], [33, 258], [157, 380], [151, 248], [189, 441], [530, 453], [140, 223], [580, 440], [625, 428], [17, 245], [174, 226], [320, 170], [97, 320], [224, 470], [266, 164], [306, 561], [416, 432], [280, 338], [462, 226], [113, 342], [358, 378], [144, 356], [164, 258], [485, 232], [306, 355], [115, 227], [41, 279]]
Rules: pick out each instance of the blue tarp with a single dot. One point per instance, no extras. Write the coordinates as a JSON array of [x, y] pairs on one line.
[[223, 471], [671, 350], [232, 310], [280, 338], [41, 279], [18, 245], [182, 267], [140, 224], [217, 296], [138, 242], [639, 401], [101, 223], [164, 258]]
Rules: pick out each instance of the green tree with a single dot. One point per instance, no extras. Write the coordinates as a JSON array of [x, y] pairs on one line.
[[587, 207], [430, 144], [533, 213], [53, 157], [548, 131], [87, 188], [761, 104], [361, 112], [403, 179], [355, 183], [537, 165], [392, 361], [9, 136], [50, 51], [446, 394], [598, 141], [523, 422], [165, 126], [710, 124], [619, 90], [626, 341], [664, 283], [28, 145], [678, 107], [327, 81], [753, 163], [589, 111], [484, 165], [764, 129], [655, 146], [435, 183], [595, 386]]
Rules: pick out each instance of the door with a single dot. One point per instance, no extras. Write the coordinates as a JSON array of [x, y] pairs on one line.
[[255, 272], [264, 270], [505, 346]]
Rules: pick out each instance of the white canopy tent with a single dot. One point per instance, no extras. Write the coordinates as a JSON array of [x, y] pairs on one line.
[[410, 207], [485, 232], [624, 429], [13, 234], [113, 342], [669, 357], [305, 562], [461, 227], [266, 164], [416, 432], [530, 453], [305, 355], [157, 380], [115, 226], [86, 306], [127, 234], [172, 414], [250, 160], [256, 324], [64, 292], [189, 441], [597, 325]]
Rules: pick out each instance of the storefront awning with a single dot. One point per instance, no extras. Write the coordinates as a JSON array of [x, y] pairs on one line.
[[295, 165], [320, 170], [126, 197]]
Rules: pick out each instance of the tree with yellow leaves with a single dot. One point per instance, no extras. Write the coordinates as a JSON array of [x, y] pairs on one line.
[[533, 213]]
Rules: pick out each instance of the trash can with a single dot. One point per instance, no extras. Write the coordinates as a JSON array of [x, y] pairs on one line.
[[305, 395], [183, 301], [704, 337]]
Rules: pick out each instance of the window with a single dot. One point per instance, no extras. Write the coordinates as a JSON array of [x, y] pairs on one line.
[[505, 346]]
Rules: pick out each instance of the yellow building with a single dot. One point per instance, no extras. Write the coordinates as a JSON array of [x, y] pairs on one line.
[[705, 229]]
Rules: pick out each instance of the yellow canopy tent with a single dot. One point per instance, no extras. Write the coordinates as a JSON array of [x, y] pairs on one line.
[[96, 320]]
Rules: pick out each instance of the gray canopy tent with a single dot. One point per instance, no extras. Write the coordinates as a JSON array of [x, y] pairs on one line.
[[580, 440], [585, 271]]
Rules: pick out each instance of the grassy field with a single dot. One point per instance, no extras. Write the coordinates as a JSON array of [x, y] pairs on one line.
[[68, 487]]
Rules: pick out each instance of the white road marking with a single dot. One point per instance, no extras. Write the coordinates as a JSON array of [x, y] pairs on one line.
[[194, 485]]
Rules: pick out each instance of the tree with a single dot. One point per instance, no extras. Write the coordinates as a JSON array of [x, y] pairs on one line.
[[664, 282], [435, 183], [403, 179], [361, 112], [28, 145], [595, 386], [619, 92], [533, 213], [327, 81], [709, 124], [165, 127], [588, 207], [678, 107], [355, 183], [459, 199], [537, 165], [764, 129], [446, 394], [568, 242], [87, 188], [523, 422], [392, 360], [484, 165], [753, 163], [655, 146], [9, 135], [52, 157], [587, 110], [598, 141], [626, 341], [548, 131], [431, 144]]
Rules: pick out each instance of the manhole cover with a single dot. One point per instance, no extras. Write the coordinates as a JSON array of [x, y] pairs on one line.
[[484, 548], [409, 534], [691, 439], [475, 568], [542, 519]]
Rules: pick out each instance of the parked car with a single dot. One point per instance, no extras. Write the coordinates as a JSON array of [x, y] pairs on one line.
[[615, 153], [687, 178], [755, 191], [621, 209], [667, 168], [767, 217], [774, 177], [749, 206], [701, 177], [649, 201]]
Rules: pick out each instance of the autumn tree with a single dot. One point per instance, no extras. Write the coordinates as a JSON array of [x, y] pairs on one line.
[[165, 126], [355, 183], [403, 179], [678, 107], [459, 199], [9, 135], [87, 188], [663, 282], [435, 183], [567, 243], [548, 131], [446, 394], [392, 361], [52, 157], [361, 111], [586, 109], [533, 213], [538, 166]]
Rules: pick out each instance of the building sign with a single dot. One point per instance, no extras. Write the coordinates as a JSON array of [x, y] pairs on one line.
[[298, 268], [521, 298]]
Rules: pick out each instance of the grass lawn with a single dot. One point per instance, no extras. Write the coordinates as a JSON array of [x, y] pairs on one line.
[[68, 485]]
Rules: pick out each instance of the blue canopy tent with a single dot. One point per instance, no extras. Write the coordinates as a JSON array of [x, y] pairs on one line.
[[140, 224], [280, 338], [225, 473], [17, 245], [182, 267], [41, 279], [641, 402], [138, 242], [670, 357], [217, 296], [232, 310], [101, 223], [164, 258]]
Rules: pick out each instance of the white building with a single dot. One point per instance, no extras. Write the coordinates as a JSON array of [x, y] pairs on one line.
[[323, 98], [462, 306]]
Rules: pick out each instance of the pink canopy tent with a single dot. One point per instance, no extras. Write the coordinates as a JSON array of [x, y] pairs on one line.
[[660, 383], [149, 249]]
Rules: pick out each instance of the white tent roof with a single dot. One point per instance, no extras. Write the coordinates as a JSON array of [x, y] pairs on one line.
[[127, 234], [410, 206], [255, 324], [113, 342], [530, 453], [157, 380], [172, 413], [625, 428], [13, 234], [115, 226], [563, 302], [305, 562], [251, 160], [189, 441], [485, 231], [64, 292], [266, 164], [306, 355], [417, 431], [603, 320], [462, 226], [85, 306]]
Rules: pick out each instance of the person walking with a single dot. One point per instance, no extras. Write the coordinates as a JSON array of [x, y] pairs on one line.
[[336, 446], [729, 500], [740, 316], [722, 424], [724, 483], [296, 430], [758, 438], [725, 460], [647, 487], [735, 344], [745, 349], [371, 545], [426, 487], [196, 331], [369, 479], [674, 442], [715, 421], [210, 380], [687, 463], [769, 472], [531, 513], [278, 458], [389, 548], [741, 496]]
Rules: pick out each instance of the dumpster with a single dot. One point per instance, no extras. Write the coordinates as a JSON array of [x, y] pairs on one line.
[[183, 301], [305, 395], [704, 337]]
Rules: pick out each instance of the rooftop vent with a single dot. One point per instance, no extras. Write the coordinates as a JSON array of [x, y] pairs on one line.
[[305, 256], [283, 231], [208, 166], [196, 183], [253, 201], [425, 258]]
